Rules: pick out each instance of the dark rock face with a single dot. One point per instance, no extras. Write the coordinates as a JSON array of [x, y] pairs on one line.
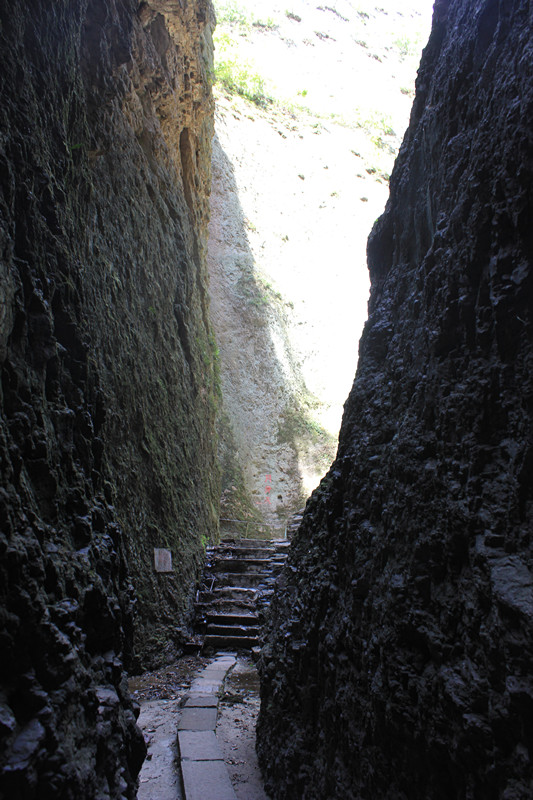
[[399, 659], [107, 385]]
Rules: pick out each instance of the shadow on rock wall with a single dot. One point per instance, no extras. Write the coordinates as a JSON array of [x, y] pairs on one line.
[[107, 385], [400, 648]]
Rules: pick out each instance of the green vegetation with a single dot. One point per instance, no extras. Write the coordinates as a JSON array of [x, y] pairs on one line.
[[257, 291], [298, 427], [239, 77], [230, 13], [267, 23], [408, 45], [269, 293], [234, 74], [376, 123], [231, 71], [235, 502], [293, 16]]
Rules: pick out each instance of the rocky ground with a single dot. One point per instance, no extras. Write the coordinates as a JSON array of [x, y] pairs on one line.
[[299, 176]]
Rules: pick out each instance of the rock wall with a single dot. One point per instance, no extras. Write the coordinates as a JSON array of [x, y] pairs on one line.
[[108, 388], [399, 657]]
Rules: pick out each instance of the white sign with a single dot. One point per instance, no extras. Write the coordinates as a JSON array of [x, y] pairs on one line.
[[162, 560]]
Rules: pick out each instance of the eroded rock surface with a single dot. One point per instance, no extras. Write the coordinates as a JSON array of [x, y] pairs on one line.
[[400, 649], [107, 393]]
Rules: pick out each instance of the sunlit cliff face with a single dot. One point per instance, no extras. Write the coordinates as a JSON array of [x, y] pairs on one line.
[[298, 182]]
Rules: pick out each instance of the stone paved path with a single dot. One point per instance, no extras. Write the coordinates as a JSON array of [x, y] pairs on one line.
[[203, 770]]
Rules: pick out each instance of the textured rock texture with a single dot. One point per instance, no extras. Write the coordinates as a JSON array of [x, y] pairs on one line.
[[107, 382], [399, 660]]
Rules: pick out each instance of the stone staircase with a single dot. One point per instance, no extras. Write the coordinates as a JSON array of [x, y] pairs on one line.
[[237, 585]]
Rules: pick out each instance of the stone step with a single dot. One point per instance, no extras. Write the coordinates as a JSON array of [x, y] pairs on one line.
[[242, 567], [245, 552], [228, 608], [232, 619], [237, 542], [232, 630], [237, 585], [231, 642], [224, 607], [220, 623], [264, 597], [213, 570], [246, 565], [240, 580], [230, 593], [203, 772], [243, 549]]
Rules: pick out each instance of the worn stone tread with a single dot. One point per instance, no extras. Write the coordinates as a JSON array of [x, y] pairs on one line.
[[201, 701], [232, 630], [198, 719], [232, 619], [246, 642], [206, 780], [199, 746], [204, 774]]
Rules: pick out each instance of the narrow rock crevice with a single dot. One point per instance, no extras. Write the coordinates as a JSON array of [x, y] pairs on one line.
[[397, 660]]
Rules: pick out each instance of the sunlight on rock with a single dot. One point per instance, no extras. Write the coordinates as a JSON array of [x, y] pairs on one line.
[[311, 106]]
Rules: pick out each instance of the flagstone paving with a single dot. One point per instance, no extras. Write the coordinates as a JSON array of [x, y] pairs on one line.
[[203, 771]]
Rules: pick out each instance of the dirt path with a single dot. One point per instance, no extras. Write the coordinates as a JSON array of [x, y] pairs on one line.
[[238, 713], [161, 694], [159, 779]]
